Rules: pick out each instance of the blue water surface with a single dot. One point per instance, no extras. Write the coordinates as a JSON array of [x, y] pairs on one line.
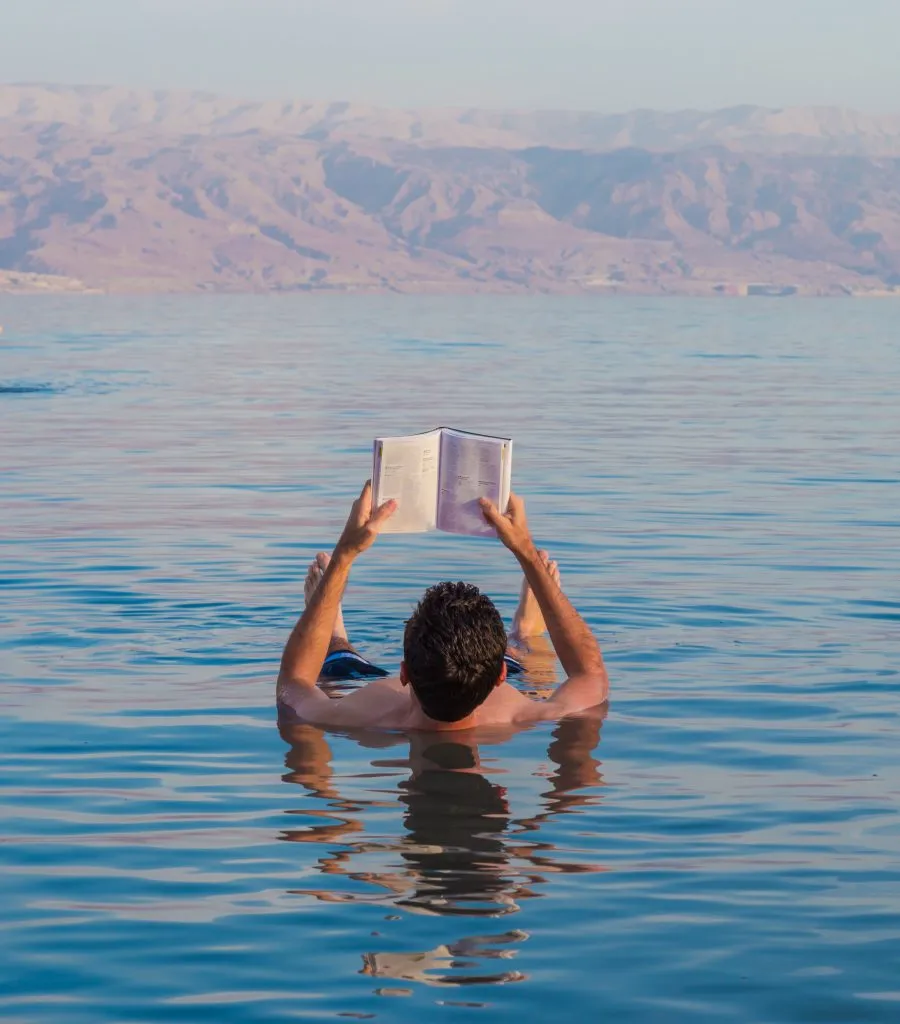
[[719, 482]]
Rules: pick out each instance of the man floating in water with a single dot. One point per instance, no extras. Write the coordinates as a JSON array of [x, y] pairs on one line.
[[455, 660]]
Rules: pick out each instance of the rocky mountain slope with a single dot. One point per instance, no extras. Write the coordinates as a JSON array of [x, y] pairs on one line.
[[132, 191]]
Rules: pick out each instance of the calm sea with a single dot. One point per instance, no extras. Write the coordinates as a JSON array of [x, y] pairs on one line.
[[719, 481]]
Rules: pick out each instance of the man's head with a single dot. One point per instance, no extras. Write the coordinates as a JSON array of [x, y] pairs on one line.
[[453, 651]]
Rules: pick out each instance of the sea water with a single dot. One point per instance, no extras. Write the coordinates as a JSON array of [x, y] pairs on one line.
[[719, 482]]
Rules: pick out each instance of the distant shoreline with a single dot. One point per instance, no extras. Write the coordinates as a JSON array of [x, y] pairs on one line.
[[51, 291]]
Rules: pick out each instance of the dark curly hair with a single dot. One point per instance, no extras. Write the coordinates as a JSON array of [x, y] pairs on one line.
[[453, 647]]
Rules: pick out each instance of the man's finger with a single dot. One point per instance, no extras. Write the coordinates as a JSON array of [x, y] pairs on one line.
[[489, 511], [381, 515]]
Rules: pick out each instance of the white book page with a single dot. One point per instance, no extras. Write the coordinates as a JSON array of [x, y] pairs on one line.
[[406, 469], [472, 466], [506, 483]]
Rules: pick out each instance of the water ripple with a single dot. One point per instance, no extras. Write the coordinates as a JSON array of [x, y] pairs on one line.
[[717, 481]]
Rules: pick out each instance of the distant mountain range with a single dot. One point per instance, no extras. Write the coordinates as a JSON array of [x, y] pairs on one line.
[[119, 190]]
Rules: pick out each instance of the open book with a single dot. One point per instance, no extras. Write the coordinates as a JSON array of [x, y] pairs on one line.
[[438, 477]]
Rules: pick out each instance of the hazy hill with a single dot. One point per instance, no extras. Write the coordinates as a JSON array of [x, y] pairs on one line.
[[127, 190]]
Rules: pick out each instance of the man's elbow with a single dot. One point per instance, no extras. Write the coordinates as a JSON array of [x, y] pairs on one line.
[[292, 683], [596, 676], [592, 664]]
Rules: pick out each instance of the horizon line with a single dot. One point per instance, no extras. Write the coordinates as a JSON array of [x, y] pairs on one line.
[[449, 108]]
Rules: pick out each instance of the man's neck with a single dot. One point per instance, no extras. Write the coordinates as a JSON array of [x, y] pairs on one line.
[[419, 720]]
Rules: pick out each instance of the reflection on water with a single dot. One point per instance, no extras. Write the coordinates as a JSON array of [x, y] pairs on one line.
[[462, 958], [463, 852]]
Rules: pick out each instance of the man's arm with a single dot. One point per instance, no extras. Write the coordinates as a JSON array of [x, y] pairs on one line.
[[304, 653], [574, 643]]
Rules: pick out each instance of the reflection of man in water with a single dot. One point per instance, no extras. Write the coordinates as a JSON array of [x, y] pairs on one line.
[[463, 853], [453, 674], [455, 818]]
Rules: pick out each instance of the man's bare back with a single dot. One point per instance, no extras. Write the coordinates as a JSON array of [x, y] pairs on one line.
[[397, 703]]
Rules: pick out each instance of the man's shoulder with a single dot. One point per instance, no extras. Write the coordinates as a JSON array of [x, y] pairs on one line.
[[509, 706], [381, 702]]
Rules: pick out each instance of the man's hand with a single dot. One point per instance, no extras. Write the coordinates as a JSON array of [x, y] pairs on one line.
[[512, 528], [575, 645], [363, 525], [305, 651]]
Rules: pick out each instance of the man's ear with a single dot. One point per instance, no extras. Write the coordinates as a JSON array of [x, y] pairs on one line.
[[502, 678], [404, 677]]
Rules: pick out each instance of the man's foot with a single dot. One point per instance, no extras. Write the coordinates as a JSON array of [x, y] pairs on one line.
[[528, 620], [313, 578]]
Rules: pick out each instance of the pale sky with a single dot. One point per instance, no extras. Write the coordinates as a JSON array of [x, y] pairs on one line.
[[607, 55]]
